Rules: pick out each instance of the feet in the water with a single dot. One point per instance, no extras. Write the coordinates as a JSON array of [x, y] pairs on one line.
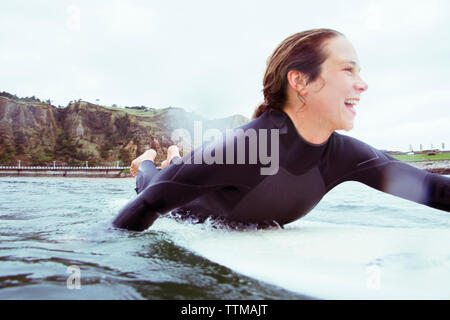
[[172, 152], [147, 155]]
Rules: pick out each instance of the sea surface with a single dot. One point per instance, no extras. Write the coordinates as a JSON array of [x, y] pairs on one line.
[[57, 242]]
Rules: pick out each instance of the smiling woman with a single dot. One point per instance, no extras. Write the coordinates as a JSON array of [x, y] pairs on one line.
[[324, 78], [311, 86]]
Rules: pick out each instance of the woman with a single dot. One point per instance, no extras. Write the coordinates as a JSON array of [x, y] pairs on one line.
[[311, 87]]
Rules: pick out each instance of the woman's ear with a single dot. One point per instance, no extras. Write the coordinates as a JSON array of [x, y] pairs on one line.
[[297, 81]]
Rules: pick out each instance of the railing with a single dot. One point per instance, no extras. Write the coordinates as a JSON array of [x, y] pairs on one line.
[[60, 168]]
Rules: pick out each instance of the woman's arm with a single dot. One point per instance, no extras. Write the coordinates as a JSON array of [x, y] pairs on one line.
[[158, 198], [378, 170], [176, 185]]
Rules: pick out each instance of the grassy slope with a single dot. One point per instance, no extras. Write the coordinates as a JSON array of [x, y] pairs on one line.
[[139, 113], [422, 157]]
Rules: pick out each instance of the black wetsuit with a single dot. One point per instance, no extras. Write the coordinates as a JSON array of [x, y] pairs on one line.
[[239, 192]]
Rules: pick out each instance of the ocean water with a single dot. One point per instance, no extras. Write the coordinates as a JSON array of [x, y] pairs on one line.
[[57, 242]]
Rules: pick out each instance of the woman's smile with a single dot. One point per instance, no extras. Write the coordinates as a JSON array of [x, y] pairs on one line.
[[350, 104]]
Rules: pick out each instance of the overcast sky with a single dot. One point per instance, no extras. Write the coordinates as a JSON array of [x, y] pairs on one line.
[[209, 57]]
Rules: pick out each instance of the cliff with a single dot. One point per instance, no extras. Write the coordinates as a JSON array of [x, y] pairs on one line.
[[38, 133]]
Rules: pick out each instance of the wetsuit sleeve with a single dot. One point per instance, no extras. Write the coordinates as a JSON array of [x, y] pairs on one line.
[[361, 162], [179, 183]]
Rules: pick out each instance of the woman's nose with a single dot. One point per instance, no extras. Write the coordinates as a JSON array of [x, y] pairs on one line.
[[361, 85]]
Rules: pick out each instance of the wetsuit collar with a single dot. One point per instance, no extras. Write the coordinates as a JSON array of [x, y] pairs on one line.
[[282, 121]]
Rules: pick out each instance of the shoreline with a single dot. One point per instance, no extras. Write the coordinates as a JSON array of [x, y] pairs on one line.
[[439, 167], [65, 172], [78, 175]]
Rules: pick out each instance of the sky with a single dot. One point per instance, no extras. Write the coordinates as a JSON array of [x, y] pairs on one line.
[[209, 57]]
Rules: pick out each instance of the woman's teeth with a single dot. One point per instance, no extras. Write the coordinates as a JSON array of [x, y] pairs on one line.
[[351, 102], [350, 105]]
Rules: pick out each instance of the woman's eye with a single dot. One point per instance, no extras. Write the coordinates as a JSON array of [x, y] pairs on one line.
[[349, 69]]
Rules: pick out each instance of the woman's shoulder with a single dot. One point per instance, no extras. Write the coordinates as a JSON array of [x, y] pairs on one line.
[[355, 151]]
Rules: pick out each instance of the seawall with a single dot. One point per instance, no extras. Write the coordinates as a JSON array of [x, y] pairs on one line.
[[86, 172]]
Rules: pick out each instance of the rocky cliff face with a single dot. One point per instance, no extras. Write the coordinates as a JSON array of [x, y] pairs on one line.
[[38, 133]]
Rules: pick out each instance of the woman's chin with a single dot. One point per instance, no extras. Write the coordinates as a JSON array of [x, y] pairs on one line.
[[347, 126]]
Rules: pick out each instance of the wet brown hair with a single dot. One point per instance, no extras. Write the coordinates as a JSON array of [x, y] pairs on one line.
[[304, 52]]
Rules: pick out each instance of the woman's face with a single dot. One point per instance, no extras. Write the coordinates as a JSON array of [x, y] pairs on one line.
[[336, 92]]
